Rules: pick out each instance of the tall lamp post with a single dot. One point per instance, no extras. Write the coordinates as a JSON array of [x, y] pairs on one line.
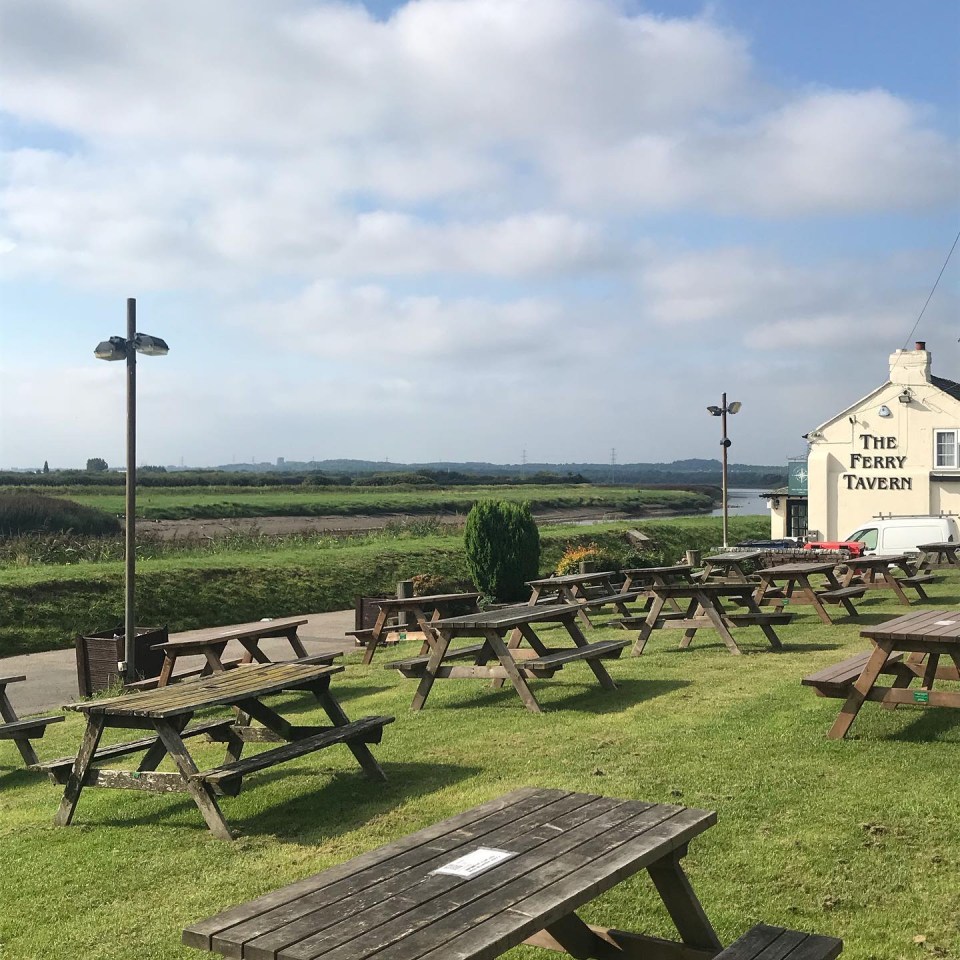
[[127, 348], [722, 412]]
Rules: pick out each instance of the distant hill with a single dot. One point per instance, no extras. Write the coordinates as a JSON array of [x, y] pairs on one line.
[[691, 471]]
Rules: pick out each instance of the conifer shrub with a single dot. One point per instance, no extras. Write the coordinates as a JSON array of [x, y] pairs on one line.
[[502, 544]]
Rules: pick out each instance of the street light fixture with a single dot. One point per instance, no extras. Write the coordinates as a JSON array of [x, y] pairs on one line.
[[127, 348], [722, 411]]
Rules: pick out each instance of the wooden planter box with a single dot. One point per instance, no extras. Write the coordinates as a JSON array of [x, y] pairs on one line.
[[99, 653]]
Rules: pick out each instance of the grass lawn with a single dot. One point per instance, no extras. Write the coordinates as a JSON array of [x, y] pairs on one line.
[[858, 838], [172, 503]]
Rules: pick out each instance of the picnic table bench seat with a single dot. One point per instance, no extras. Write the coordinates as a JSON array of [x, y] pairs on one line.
[[555, 659], [59, 769], [21, 731], [842, 593], [32, 727], [226, 778], [545, 664], [764, 942], [416, 666], [917, 581], [608, 598], [836, 680]]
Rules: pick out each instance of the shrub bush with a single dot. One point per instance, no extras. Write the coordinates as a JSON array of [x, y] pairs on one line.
[[502, 545]]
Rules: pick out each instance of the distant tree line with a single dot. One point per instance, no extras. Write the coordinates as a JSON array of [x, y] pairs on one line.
[[345, 473]]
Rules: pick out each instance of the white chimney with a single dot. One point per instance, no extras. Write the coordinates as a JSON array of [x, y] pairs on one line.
[[910, 367]]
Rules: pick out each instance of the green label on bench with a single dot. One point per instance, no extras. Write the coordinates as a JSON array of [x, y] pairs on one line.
[[921, 696]]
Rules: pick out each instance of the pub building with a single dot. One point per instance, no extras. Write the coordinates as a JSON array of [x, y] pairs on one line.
[[895, 452]]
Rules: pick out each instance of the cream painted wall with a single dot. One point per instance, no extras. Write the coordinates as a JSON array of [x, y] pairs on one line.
[[863, 463]]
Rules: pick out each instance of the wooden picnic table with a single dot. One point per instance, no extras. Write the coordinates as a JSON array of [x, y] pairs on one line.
[[925, 636], [440, 604], [705, 609], [735, 565], [797, 588], [210, 643], [655, 576], [511, 661], [21, 732], [874, 573], [510, 871], [944, 552], [581, 589], [167, 711]]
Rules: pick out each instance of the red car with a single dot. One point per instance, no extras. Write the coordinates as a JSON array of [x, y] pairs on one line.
[[853, 547]]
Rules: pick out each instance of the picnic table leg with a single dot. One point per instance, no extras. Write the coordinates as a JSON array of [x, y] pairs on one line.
[[647, 627], [572, 596], [378, 629], [430, 674], [716, 618], [429, 634], [509, 664], [693, 608], [202, 794], [599, 670], [897, 589], [768, 631], [817, 604], [166, 671], [681, 902], [9, 715], [858, 693], [251, 646], [338, 718], [296, 644], [71, 792]]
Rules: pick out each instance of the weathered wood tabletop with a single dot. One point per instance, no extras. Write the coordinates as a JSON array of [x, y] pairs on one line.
[[439, 604], [512, 661], [509, 871], [735, 565], [167, 711], [705, 609], [210, 642], [928, 636]]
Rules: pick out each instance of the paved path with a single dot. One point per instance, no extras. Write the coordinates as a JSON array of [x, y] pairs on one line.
[[52, 675]]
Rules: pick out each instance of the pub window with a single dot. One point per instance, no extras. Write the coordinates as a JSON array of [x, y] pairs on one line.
[[945, 448]]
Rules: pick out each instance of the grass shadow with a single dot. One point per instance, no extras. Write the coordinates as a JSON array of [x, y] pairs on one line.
[[929, 724], [590, 698], [334, 802], [629, 692], [348, 800]]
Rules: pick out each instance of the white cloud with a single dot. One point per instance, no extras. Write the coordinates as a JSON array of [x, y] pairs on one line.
[[474, 204]]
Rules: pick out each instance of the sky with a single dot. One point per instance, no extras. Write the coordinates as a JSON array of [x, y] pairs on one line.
[[490, 230]]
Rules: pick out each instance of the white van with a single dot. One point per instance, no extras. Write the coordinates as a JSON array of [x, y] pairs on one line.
[[904, 534]]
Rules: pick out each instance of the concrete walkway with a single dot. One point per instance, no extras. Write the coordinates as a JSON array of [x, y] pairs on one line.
[[52, 675]]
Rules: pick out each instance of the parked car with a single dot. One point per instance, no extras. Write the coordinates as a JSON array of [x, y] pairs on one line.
[[895, 535]]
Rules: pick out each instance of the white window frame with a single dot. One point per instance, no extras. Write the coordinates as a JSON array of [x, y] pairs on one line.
[[937, 465]]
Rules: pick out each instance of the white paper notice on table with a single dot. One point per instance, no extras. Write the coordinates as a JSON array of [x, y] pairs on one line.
[[944, 623], [469, 865]]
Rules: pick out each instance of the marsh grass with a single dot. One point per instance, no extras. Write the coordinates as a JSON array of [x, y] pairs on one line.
[[858, 838]]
